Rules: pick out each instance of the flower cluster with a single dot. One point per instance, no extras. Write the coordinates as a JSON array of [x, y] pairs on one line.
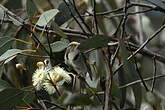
[[48, 78]]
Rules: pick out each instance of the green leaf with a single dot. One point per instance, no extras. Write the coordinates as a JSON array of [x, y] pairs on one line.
[[64, 14], [57, 29], [13, 4], [162, 104], [9, 55], [28, 96], [158, 3], [122, 81], [151, 98], [13, 97], [58, 46], [1, 13], [5, 43], [46, 17], [15, 21], [77, 99], [130, 73], [94, 42], [3, 84], [30, 8]]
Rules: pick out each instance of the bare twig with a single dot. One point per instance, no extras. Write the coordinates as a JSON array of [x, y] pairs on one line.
[[30, 55], [79, 15], [56, 105], [74, 17], [130, 13], [139, 81], [139, 24], [95, 19], [50, 3], [22, 23], [47, 37], [154, 74], [138, 72], [147, 41]]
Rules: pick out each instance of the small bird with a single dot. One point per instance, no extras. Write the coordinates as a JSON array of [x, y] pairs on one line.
[[76, 60]]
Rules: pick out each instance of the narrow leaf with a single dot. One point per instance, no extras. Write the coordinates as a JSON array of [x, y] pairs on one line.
[[3, 84], [58, 46], [77, 99], [64, 14], [46, 17], [130, 73], [30, 8], [1, 13], [94, 42], [12, 97], [57, 29], [9, 55], [5, 43]]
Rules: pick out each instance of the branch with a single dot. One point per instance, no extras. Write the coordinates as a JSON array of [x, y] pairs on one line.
[[139, 81], [147, 41]]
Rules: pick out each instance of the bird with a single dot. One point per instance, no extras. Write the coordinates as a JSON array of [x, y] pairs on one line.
[[75, 59]]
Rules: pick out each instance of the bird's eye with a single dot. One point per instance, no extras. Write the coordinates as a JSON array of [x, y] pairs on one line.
[[76, 56]]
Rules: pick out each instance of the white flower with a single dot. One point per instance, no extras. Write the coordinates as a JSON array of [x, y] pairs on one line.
[[56, 76], [39, 76], [48, 86]]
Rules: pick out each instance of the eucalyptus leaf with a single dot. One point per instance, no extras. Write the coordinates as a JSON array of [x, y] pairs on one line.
[[58, 46], [94, 42], [30, 8], [158, 3], [130, 72], [5, 43], [15, 21], [151, 98], [3, 84], [9, 55], [65, 13], [1, 13], [57, 29], [13, 4], [77, 99], [13, 97], [46, 17]]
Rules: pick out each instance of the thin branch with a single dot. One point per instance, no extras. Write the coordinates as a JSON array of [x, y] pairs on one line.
[[38, 6], [95, 19], [115, 55], [50, 3], [56, 105], [79, 15], [94, 93], [40, 101], [118, 27], [47, 37], [76, 33], [139, 24], [154, 74], [139, 74], [22, 23], [74, 16], [139, 81], [130, 13], [147, 41], [30, 55], [157, 6], [129, 6]]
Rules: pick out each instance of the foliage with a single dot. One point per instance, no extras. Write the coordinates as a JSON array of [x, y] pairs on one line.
[[121, 42]]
